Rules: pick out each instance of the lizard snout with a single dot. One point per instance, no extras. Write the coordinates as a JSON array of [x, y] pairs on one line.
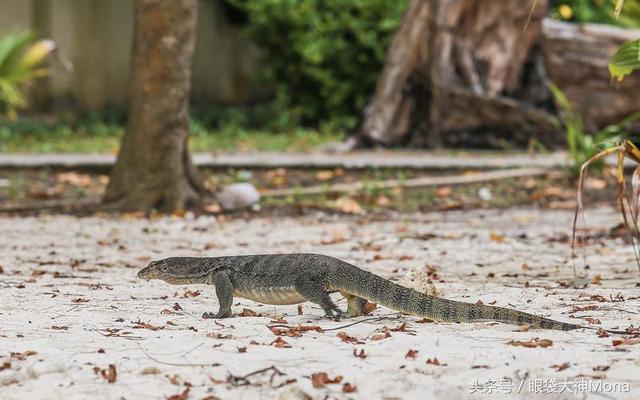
[[149, 272]]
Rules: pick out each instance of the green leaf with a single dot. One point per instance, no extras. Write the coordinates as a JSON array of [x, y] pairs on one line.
[[626, 60]]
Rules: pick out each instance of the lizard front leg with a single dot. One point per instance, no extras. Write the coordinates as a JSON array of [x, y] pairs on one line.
[[315, 292], [224, 291]]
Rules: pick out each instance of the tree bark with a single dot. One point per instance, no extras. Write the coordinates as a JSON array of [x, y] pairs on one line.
[[576, 58], [448, 55], [154, 169]]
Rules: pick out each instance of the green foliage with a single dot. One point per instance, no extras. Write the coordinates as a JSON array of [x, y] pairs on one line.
[[21, 60], [323, 57], [626, 60], [598, 11], [582, 145]]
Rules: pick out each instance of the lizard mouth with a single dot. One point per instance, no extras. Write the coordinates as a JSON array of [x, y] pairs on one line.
[[148, 273]]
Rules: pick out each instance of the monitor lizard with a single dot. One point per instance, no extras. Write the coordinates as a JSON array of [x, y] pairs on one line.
[[296, 278]]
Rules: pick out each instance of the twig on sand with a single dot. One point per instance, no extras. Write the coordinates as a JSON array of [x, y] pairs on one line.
[[244, 381], [175, 364], [424, 181]]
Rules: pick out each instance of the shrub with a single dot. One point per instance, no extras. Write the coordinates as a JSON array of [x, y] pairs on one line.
[[323, 57], [21, 60]]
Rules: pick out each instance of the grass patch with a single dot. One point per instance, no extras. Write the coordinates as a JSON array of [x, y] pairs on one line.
[[27, 136]]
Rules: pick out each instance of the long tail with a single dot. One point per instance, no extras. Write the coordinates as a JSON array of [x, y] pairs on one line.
[[376, 289]]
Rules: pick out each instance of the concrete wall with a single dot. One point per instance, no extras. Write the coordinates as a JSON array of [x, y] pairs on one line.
[[96, 36]]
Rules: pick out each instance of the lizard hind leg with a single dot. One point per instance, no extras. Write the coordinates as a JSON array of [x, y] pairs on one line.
[[316, 293], [355, 305]]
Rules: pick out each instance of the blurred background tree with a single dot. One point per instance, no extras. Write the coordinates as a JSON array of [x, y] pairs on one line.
[[154, 169]]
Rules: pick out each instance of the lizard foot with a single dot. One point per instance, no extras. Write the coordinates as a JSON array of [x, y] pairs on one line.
[[210, 315], [338, 315]]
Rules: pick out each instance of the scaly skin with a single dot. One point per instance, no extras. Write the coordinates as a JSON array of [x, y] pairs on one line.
[[296, 278]]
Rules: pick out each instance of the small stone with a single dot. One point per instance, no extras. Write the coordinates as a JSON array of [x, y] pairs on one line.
[[238, 196]]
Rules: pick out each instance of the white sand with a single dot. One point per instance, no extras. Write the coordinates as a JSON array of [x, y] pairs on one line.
[[96, 294]]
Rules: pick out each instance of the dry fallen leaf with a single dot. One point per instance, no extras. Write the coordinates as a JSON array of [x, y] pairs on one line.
[[109, 374], [627, 341], [434, 361], [348, 205], [22, 356], [324, 175], [348, 339], [246, 312], [218, 335], [150, 371], [59, 328], [182, 396], [349, 388], [280, 343], [294, 331], [146, 325], [531, 343], [320, 379], [560, 367], [359, 354], [369, 307], [191, 293], [498, 238], [411, 354]]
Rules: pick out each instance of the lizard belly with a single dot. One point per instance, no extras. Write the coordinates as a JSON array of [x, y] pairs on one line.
[[273, 295]]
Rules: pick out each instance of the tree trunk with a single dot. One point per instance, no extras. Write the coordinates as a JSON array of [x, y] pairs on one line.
[[154, 169], [457, 65], [576, 58]]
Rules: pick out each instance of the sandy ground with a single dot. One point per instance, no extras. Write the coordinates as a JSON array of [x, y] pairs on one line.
[[76, 323]]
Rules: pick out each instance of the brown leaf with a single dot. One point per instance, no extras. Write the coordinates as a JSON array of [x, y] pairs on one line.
[[218, 335], [22, 356], [348, 339], [369, 307], [166, 311], [434, 361], [7, 365], [242, 349], [300, 309], [626, 341], [59, 328], [411, 354], [531, 343], [320, 379], [443, 191], [592, 321], [280, 343], [211, 397], [498, 238], [349, 388], [190, 293], [294, 331], [380, 336], [560, 367], [523, 328], [79, 300], [146, 325], [150, 371], [348, 205], [602, 333], [597, 280], [248, 313], [182, 396], [176, 307], [109, 373], [359, 354], [424, 321]]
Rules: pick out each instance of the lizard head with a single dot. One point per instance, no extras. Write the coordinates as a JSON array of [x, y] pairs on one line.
[[174, 270]]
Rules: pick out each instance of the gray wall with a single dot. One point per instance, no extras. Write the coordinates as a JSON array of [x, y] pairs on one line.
[[96, 36]]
